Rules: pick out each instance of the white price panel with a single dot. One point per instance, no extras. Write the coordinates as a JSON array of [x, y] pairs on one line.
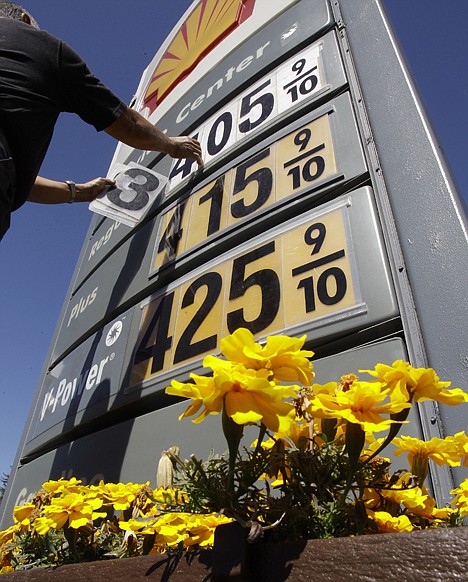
[[304, 274], [298, 161], [293, 82], [136, 188]]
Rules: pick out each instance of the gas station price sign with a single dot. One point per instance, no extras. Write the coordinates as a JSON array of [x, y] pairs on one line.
[[286, 87], [305, 273], [295, 162]]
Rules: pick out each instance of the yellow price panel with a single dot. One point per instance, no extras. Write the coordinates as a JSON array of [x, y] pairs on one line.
[[298, 161], [286, 279], [305, 156], [317, 269]]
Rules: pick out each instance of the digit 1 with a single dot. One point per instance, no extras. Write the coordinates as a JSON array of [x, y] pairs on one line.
[[163, 341], [309, 293], [293, 92], [216, 197]]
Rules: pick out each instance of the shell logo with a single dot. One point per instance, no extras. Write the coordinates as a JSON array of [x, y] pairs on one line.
[[207, 25]]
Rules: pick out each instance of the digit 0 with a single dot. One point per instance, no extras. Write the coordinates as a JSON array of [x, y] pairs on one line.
[[336, 275], [312, 169], [220, 133], [333, 276]]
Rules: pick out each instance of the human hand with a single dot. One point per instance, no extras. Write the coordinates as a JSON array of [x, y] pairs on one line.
[[90, 190], [185, 147]]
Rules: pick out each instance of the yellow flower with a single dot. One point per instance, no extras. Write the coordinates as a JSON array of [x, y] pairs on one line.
[[415, 499], [249, 398], [7, 535], [202, 388], [75, 508], [175, 528], [416, 384], [187, 528], [282, 357], [119, 495], [331, 388], [441, 451], [461, 441], [63, 486], [22, 513], [168, 496], [387, 523], [43, 524], [373, 445], [362, 404], [246, 395], [461, 498]]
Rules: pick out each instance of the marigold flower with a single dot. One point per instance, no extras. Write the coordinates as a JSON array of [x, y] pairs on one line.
[[201, 388], [172, 529], [461, 441], [72, 485], [416, 384], [461, 498], [246, 395], [249, 398], [22, 513], [75, 508], [119, 495], [388, 524], [7, 535], [373, 445], [362, 404], [415, 499], [282, 357], [441, 451], [43, 524]]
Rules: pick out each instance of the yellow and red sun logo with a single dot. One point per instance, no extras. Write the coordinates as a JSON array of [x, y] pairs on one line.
[[207, 25]]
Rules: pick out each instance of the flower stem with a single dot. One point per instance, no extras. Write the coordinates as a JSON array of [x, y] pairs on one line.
[[233, 433]]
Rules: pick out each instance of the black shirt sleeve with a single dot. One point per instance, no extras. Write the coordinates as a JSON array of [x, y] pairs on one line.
[[83, 93]]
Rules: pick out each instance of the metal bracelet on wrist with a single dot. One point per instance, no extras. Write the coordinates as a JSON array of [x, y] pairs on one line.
[[72, 187]]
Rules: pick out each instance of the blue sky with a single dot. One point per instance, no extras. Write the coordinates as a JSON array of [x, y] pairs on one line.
[[118, 38]]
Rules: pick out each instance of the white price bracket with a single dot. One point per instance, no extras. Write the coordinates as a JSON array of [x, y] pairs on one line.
[[286, 87]]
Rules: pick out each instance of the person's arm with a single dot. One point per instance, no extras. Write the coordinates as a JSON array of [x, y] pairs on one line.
[[134, 130], [47, 191]]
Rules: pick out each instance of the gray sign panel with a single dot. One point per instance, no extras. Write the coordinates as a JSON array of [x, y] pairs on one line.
[[316, 154], [81, 387], [313, 73], [303, 160], [122, 453], [119, 278], [294, 85], [316, 274], [105, 238]]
